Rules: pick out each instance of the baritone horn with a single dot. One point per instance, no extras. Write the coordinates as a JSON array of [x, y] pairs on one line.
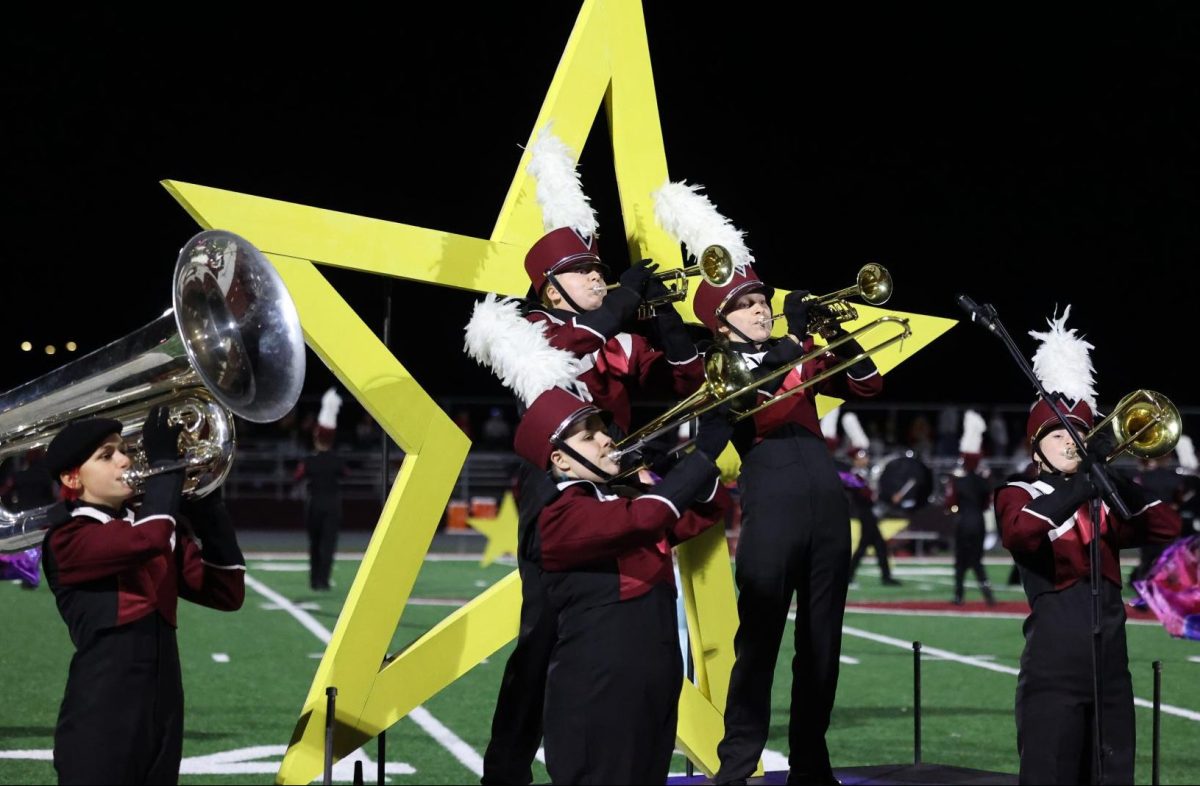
[[230, 345]]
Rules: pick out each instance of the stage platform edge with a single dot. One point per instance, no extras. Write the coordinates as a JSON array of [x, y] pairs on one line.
[[888, 774]]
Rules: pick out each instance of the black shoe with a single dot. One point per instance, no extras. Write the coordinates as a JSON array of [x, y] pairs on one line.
[[958, 600], [988, 596], [888, 581]]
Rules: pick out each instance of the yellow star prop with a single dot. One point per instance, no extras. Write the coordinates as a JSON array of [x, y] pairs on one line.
[[501, 531], [606, 59]]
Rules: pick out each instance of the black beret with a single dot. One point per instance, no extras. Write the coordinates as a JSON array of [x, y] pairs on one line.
[[75, 443]]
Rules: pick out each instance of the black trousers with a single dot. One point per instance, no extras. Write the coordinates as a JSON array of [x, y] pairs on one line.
[[1054, 689], [517, 719], [795, 539], [870, 536], [121, 719], [612, 697], [968, 552], [324, 519]]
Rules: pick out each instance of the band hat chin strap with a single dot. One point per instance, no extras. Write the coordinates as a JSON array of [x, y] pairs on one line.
[[560, 442]]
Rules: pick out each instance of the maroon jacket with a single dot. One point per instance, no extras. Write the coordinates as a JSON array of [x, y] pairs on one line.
[[612, 365], [1053, 547], [599, 547], [801, 408], [107, 571]]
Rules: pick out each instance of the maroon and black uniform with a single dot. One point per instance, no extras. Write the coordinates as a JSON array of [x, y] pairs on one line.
[[1047, 528], [968, 496], [117, 580], [324, 470], [615, 673], [795, 539], [614, 363], [862, 507]]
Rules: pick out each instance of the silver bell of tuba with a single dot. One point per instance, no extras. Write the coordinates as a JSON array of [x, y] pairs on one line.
[[231, 345]]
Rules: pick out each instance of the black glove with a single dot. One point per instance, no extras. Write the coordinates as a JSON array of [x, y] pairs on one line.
[[691, 479], [211, 522], [863, 368], [1070, 492], [638, 277], [795, 308], [677, 345], [160, 439], [782, 353], [714, 432], [655, 287]]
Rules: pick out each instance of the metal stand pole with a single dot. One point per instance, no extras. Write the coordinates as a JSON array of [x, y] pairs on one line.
[[330, 708], [916, 702], [1157, 721], [387, 441], [358, 773], [381, 754]]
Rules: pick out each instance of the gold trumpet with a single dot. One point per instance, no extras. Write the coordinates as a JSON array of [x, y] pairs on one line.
[[873, 284], [1144, 422], [729, 380], [715, 266]]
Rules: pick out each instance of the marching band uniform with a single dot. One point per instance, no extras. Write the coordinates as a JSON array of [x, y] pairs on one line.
[[324, 470], [968, 495], [615, 671], [795, 539], [1047, 525], [610, 361], [862, 502], [117, 577]]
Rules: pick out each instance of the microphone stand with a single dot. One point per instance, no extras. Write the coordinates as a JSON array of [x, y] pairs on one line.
[[986, 317]]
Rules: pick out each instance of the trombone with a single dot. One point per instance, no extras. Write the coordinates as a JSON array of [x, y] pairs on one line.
[[873, 284], [715, 266], [729, 380], [1144, 422]]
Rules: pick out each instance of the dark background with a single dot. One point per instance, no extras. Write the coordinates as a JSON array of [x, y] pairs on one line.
[[1031, 158]]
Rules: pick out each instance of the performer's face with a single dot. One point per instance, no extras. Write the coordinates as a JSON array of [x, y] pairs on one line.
[[585, 285], [99, 478], [1060, 450], [751, 314], [589, 439]]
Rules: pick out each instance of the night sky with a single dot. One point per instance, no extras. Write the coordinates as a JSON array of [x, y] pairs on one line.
[[1030, 160]]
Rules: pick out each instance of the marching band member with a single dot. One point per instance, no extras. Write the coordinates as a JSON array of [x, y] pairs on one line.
[[324, 470], [117, 577], [795, 535], [578, 337], [968, 495], [1047, 525], [616, 669], [862, 502]]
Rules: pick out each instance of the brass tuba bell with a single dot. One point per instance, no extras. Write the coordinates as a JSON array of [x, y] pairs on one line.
[[231, 345]]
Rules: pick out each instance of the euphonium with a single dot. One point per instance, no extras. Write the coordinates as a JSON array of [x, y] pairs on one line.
[[231, 345]]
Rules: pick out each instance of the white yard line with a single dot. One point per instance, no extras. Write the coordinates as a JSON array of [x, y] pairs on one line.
[[458, 748], [983, 664]]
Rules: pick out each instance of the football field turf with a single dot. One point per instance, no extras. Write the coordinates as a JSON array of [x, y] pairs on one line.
[[246, 675]]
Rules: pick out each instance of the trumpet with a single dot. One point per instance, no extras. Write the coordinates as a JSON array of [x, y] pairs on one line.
[[873, 284], [1145, 423], [715, 266]]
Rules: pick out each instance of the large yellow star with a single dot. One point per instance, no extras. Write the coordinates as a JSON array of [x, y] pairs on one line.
[[501, 531], [606, 59]]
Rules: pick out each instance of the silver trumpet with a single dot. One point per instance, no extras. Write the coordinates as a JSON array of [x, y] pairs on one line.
[[231, 345]]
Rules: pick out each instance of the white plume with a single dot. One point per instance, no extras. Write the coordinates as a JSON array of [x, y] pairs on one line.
[[559, 191], [972, 437], [1186, 452], [688, 216], [1062, 362], [331, 402], [829, 423], [854, 430], [517, 350]]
